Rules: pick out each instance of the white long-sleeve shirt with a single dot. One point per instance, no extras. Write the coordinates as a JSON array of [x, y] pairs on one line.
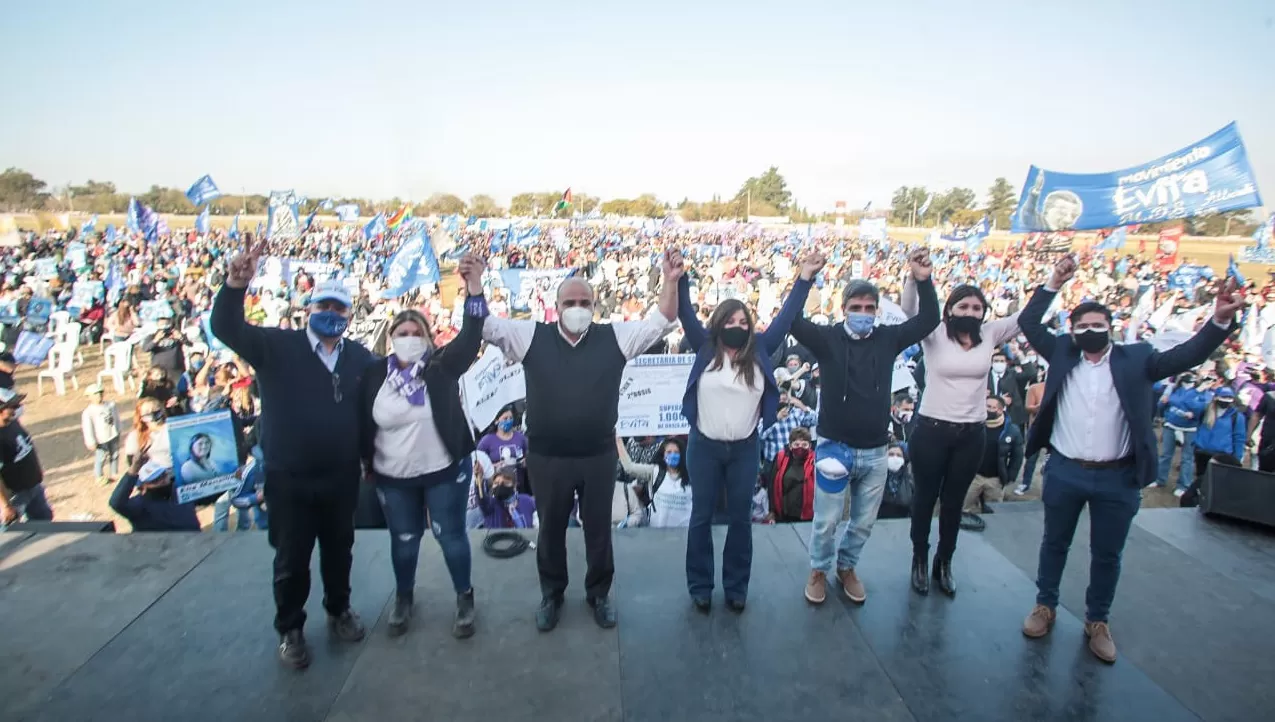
[[633, 337]]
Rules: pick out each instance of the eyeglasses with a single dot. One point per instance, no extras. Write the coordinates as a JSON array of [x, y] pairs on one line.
[[336, 388]]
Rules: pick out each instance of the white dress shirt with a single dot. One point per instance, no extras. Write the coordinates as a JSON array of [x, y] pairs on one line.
[[1091, 424], [633, 337], [328, 359]]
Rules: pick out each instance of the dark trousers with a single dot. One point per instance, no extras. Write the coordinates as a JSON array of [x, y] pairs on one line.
[[443, 495], [1113, 497], [300, 514], [945, 457], [556, 480], [715, 466]]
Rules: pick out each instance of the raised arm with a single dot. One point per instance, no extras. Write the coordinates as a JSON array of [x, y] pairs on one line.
[[644, 473], [513, 338], [1001, 330], [793, 305], [635, 337], [1196, 350], [1030, 318], [457, 356], [915, 329], [693, 330], [227, 319]]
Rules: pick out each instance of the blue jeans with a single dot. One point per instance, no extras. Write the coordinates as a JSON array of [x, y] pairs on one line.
[[865, 482], [713, 466], [244, 518], [444, 494], [1113, 498], [1168, 445], [107, 455], [33, 504]]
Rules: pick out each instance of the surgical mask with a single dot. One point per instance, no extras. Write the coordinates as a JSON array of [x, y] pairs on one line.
[[860, 324], [672, 459], [1092, 340], [409, 349], [998, 367], [328, 324], [503, 492], [506, 425], [734, 337], [894, 463], [576, 320], [904, 416]]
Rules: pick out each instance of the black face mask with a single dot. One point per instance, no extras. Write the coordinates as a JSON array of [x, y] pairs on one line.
[[1092, 341], [968, 325], [992, 416], [503, 492], [734, 337]]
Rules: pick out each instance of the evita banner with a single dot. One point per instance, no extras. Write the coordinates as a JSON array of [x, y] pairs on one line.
[[1210, 176]]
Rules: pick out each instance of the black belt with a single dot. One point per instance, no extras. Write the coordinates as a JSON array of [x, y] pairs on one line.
[[1113, 464], [940, 423]]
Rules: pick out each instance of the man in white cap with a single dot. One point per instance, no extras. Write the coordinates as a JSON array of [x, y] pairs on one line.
[[156, 507], [100, 424], [21, 477], [309, 382]]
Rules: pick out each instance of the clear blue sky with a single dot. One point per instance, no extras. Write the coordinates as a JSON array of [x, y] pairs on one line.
[[849, 99]]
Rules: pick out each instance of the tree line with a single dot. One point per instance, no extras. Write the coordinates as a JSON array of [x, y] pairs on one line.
[[766, 194]]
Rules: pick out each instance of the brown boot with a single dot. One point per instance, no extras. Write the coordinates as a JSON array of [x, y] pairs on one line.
[[1100, 642], [817, 587], [852, 586], [1039, 622]]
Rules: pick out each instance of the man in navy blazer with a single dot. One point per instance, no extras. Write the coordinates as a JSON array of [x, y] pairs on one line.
[[1096, 418]]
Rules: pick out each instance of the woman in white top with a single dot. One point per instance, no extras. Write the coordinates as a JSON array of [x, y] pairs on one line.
[[730, 389], [663, 488], [416, 446], [948, 443]]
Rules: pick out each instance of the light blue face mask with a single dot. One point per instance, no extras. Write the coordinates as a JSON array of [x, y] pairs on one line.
[[860, 324]]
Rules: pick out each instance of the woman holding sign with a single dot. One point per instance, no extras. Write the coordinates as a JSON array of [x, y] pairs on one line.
[[416, 446], [948, 443], [731, 388]]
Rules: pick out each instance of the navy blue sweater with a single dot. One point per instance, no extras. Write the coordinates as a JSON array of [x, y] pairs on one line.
[[148, 514], [306, 430]]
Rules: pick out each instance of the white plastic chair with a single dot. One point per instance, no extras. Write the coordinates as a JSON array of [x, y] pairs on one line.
[[119, 362], [69, 334], [61, 366], [57, 320]]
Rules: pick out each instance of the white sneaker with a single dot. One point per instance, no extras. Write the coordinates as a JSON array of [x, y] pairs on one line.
[[1022, 489], [1179, 493]]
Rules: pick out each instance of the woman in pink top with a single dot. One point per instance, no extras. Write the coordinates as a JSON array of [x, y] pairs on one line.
[[948, 444]]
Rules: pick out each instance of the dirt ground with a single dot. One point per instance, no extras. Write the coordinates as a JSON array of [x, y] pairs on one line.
[[54, 424]]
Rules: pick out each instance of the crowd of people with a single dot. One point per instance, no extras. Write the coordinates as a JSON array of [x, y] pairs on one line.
[[835, 381]]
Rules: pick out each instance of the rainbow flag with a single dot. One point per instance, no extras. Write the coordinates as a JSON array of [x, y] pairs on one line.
[[396, 220]]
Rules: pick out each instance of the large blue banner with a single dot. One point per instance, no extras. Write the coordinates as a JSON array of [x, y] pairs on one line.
[[1210, 176], [202, 191], [413, 265]]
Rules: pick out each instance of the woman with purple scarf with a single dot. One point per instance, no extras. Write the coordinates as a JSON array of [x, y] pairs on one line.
[[503, 507], [416, 446]]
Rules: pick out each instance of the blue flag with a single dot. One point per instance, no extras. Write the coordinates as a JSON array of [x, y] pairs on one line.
[[1114, 240], [133, 220], [1211, 176], [309, 221], [925, 206], [1233, 271], [413, 265], [201, 221], [328, 205], [348, 213], [258, 229], [202, 191], [89, 225], [109, 236], [1262, 236], [234, 228], [148, 221], [375, 227], [972, 237]]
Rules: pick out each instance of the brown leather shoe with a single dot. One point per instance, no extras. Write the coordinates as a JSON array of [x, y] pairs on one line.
[[817, 587], [1039, 622], [852, 586], [1100, 642]]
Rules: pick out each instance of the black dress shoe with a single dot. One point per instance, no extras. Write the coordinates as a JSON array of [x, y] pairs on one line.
[[703, 604], [943, 575], [293, 650], [736, 605], [603, 612], [920, 574], [547, 614], [987, 509]]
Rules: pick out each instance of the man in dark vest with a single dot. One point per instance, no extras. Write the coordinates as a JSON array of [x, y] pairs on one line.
[[309, 383], [572, 370]]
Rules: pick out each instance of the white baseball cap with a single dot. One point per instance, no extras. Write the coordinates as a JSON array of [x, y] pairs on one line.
[[331, 290]]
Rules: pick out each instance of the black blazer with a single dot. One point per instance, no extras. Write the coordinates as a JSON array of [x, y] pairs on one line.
[[1134, 368], [442, 386], [1010, 385]]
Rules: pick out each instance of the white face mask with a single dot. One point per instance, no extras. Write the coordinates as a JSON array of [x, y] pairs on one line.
[[576, 320], [409, 349], [998, 367], [894, 463]]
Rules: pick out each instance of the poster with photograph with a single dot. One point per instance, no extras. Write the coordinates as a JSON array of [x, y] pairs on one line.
[[205, 455]]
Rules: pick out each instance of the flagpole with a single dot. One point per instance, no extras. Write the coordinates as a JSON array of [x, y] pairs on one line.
[[912, 223]]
